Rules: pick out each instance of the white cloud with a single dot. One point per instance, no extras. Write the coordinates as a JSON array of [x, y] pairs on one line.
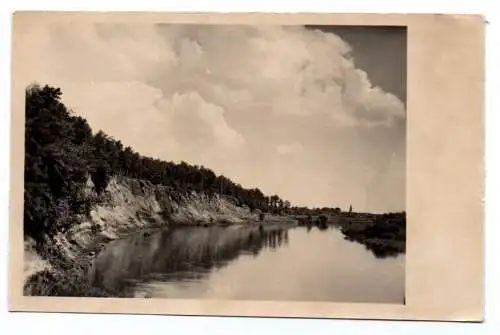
[[284, 70], [230, 98], [192, 118]]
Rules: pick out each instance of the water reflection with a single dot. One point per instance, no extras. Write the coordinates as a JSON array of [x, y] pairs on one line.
[[180, 255], [382, 250], [250, 263]]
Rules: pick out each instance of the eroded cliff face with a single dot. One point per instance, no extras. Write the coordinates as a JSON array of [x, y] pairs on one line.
[[125, 206], [129, 204]]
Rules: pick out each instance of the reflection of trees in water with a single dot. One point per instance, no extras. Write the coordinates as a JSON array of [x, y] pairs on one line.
[[272, 240], [275, 238], [383, 251], [184, 253], [384, 234], [380, 249]]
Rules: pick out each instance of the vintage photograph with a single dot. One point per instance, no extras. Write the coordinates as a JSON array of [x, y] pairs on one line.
[[216, 161]]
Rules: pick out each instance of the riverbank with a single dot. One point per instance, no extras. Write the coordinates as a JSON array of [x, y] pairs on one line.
[[58, 265], [383, 234]]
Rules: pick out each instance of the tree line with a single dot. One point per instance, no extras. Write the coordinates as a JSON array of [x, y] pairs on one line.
[[61, 152]]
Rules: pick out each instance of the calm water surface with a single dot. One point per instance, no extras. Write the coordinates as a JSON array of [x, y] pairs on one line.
[[237, 262]]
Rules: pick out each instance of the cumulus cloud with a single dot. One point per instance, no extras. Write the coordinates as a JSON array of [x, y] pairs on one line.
[[238, 99], [273, 69]]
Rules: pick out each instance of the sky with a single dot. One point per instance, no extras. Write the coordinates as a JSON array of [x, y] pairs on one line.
[[313, 114]]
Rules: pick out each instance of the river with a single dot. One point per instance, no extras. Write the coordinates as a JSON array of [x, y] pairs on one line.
[[245, 262]]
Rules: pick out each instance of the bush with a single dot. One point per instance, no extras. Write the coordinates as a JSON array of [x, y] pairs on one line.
[[71, 282], [100, 178]]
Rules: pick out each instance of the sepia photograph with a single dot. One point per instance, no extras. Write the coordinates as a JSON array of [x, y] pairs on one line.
[[216, 161], [241, 166]]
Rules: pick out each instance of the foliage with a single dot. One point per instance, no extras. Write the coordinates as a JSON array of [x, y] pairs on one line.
[[385, 236], [71, 282], [322, 218], [56, 160], [61, 152], [100, 178]]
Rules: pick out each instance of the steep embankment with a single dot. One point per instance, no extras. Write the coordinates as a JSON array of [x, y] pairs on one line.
[[70, 218], [129, 204], [125, 206]]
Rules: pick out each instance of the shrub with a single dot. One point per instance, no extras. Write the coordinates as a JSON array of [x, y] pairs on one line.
[[100, 178]]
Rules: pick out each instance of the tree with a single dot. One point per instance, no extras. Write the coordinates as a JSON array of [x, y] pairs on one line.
[[61, 152], [55, 160], [286, 205]]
